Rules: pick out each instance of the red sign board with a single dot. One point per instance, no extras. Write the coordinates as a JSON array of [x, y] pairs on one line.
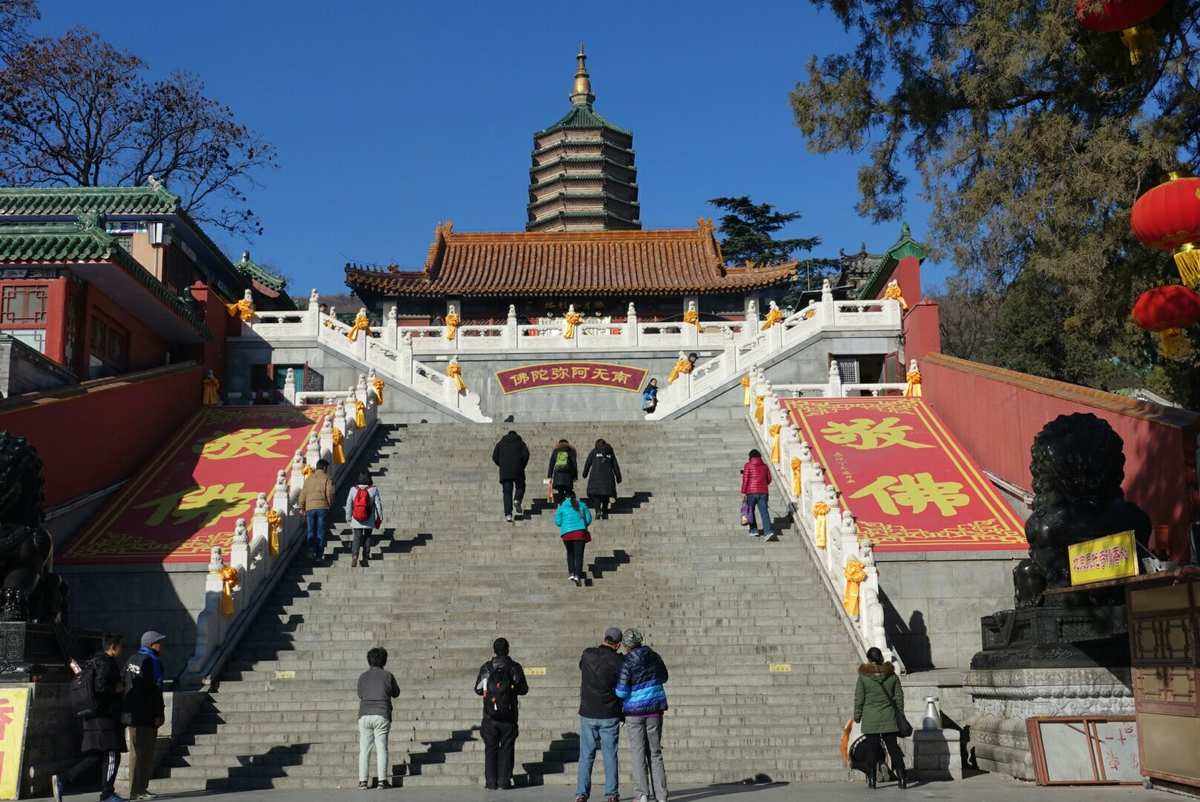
[[190, 496], [566, 374], [908, 482]]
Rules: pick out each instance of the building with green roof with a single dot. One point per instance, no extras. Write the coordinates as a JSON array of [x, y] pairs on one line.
[[583, 176]]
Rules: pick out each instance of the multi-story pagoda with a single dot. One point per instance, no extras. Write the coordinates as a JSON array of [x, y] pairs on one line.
[[583, 177]]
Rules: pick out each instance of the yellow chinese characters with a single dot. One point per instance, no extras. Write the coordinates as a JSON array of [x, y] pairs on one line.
[[244, 443], [209, 503], [915, 492], [867, 434]]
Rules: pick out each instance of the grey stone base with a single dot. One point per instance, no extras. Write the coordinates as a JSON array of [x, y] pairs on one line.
[[1004, 698], [937, 754]]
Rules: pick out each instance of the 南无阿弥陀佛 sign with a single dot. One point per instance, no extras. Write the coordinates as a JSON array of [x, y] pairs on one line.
[[1108, 557], [568, 374]]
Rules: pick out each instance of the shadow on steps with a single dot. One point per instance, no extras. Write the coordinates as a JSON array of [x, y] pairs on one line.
[[437, 750], [561, 752], [623, 505], [607, 564]]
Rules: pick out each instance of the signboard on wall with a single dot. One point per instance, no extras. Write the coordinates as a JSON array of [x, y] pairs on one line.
[[14, 714], [1108, 557], [569, 374]]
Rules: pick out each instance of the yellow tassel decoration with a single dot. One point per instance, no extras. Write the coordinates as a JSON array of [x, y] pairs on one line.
[[360, 414], [339, 454], [913, 388], [855, 572], [746, 390], [775, 431], [274, 529], [454, 371], [452, 321], [1187, 260], [229, 581], [796, 477], [821, 512]]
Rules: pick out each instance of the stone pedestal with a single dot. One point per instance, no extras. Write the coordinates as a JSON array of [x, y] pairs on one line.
[[937, 754], [52, 738], [1003, 698], [1054, 636]]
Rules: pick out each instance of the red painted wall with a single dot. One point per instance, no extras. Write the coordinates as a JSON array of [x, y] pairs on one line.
[[147, 350], [102, 431], [220, 326], [908, 275], [922, 331], [997, 412]]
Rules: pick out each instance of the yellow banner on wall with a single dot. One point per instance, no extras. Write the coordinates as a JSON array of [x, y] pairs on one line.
[[14, 708], [1108, 557]]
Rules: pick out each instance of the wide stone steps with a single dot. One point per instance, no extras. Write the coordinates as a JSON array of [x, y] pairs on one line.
[[729, 615]]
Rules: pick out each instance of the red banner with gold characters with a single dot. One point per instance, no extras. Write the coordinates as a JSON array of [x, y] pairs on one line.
[[565, 374], [910, 485], [189, 497]]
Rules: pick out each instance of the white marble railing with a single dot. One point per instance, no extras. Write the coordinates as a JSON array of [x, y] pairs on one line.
[[752, 346], [250, 554], [387, 354], [588, 335], [801, 480]]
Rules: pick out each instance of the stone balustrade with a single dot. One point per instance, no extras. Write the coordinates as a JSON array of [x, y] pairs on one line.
[[801, 481], [755, 345], [251, 553]]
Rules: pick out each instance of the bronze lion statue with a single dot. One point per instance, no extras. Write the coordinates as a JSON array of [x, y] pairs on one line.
[[29, 591], [1078, 464]]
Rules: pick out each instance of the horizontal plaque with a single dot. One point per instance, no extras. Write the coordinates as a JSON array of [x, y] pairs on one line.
[[566, 374], [536, 671], [285, 675], [780, 668]]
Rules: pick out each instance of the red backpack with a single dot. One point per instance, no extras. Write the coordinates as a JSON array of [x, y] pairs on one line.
[[363, 507]]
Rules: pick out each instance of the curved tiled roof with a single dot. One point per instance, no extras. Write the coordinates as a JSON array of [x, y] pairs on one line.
[[253, 270], [674, 261], [582, 116], [70, 243], [54, 201]]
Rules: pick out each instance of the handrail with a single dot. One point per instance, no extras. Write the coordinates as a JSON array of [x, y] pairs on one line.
[[250, 553], [801, 480]]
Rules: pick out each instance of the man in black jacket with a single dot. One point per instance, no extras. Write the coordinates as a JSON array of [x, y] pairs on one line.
[[103, 741], [143, 712], [599, 715], [500, 682], [511, 455]]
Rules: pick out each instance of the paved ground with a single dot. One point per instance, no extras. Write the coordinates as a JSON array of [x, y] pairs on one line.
[[983, 788]]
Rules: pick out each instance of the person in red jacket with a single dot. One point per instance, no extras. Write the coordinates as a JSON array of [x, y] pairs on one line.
[[756, 481]]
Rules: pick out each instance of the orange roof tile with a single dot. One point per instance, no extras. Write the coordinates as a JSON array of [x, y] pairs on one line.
[[671, 261]]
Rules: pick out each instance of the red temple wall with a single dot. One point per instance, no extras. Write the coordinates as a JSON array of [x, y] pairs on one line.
[[146, 348], [100, 432], [997, 412]]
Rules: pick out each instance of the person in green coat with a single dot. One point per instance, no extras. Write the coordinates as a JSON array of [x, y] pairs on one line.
[[877, 698]]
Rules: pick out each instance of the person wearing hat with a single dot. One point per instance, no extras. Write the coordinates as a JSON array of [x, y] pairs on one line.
[[143, 711], [640, 688], [599, 715]]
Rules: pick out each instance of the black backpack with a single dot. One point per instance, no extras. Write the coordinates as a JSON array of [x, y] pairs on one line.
[[82, 692], [499, 696]]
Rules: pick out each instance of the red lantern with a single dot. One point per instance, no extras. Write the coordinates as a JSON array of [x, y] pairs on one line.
[[1167, 311], [1167, 218], [1126, 16]]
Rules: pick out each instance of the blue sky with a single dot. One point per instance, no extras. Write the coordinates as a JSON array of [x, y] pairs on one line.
[[391, 116]]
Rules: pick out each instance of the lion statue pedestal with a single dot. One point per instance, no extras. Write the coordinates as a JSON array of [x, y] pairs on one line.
[[1064, 654]]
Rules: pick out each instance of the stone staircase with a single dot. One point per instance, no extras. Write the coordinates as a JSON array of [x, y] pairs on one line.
[[761, 668]]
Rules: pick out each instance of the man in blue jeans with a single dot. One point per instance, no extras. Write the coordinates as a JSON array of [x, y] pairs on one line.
[[599, 714], [316, 496]]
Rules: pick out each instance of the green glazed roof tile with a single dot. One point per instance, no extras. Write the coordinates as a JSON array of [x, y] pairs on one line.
[[583, 116], [54, 201]]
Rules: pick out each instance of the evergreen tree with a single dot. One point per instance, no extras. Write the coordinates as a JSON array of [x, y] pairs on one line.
[[1032, 137]]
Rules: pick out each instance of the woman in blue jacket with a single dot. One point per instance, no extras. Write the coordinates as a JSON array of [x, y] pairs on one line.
[[573, 519]]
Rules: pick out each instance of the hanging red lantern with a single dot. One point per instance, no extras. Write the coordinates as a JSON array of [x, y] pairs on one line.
[[1167, 218], [1167, 311], [1126, 16]]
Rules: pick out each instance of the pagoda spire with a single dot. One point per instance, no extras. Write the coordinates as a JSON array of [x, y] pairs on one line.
[[582, 91]]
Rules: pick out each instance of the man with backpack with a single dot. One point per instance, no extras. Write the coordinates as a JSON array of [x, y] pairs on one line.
[[96, 697], [500, 682], [511, 455], [143, 711], [364, 512]]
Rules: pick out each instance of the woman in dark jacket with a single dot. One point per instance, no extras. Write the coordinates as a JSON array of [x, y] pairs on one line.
[[563, 470], [878, 697], [605, 472]]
